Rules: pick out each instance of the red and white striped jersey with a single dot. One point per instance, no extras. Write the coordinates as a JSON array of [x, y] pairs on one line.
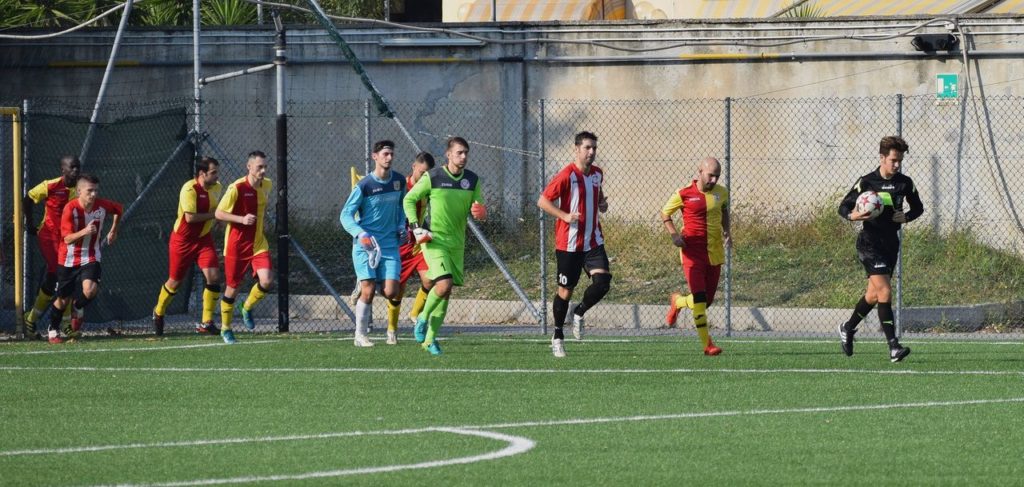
[[577, 193], [74, 219]]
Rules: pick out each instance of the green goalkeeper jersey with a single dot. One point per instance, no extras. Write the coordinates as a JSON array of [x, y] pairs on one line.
[[450, 198]]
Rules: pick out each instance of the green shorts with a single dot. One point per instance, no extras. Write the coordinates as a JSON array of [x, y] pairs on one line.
[[443, 261]]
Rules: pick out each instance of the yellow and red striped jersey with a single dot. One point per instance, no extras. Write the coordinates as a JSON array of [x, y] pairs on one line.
[[194, 198], [56, 196], [702, 218], [241, 199]]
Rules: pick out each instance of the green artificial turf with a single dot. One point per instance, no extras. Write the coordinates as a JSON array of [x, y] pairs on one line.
[[302, 410]]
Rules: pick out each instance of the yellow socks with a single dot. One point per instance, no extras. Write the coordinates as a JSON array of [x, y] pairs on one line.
[[393, 310], [700, 321], [684, 301], [227, 311], [417, 305], [166, 295], [209, 302], [42, 301], [255, 295]]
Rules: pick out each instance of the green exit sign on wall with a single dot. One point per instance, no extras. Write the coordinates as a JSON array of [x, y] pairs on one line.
[[946, 86]]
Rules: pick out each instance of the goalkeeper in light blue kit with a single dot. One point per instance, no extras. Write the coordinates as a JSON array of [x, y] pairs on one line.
[[377, 234]]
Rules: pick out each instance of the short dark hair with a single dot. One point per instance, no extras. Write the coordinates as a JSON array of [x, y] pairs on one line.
[[426, 158], [383, 144], [89, 178], [203, 165], [256, 153], [890, 142], [70, 159], [584, 135], [456, 140]]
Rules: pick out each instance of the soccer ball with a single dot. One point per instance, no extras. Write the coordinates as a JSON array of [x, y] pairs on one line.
[[869, 202]]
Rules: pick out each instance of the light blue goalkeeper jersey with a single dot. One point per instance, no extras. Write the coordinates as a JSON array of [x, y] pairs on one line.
[[379, 204]]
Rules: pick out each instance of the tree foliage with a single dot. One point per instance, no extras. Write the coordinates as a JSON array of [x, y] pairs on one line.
[[67, 13]]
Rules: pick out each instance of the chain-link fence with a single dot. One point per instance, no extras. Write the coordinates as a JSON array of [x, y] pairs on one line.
[[792, 270]]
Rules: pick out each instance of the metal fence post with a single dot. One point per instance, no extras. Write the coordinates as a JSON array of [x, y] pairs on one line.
[[366, 137], [196, 76], [541, 177], [898, 312], [283, 237], [26, 255], [728, 249]]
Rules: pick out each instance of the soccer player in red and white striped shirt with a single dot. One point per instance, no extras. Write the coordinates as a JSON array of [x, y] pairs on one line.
[[79, 256], [579, 242]]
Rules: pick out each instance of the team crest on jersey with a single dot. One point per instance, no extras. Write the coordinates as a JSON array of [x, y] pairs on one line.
[[397, 185], [464, 184]]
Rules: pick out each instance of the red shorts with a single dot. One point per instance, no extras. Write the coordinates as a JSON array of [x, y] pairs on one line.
[[234, 267], [48, 245], [181, 253], [411, 264], [701, 276]]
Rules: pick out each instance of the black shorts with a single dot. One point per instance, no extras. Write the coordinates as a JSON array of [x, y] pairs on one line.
[[571, 263], [878, 256], [69, 277]]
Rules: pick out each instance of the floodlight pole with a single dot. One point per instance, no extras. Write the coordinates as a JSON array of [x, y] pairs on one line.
[[103, 85], [283, 239]]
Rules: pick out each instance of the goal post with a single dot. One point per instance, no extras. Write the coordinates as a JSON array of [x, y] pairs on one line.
[[14, 114]]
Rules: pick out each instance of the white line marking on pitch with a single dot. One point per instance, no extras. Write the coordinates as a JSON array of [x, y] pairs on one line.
[[373, 370], [526, 424], [516, 445], [668, 340], [133, 349]]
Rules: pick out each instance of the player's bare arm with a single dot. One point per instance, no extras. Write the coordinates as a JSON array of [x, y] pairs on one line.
[[550, 208], [246, 220], [199, 217], [89, 229], [26, 204], [726, 227], [670, 227], [115, 225]]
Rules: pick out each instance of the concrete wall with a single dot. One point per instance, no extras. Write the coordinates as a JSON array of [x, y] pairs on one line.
[[806, 113]]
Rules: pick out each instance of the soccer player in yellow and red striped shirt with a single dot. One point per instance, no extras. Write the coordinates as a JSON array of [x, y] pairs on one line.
[[192, 242], [56, 193], [245, 246], [704, 205]]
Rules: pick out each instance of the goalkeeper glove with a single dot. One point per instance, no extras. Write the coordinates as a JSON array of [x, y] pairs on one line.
[[366, 240], [478, 211], [422, 234], [369, 243]]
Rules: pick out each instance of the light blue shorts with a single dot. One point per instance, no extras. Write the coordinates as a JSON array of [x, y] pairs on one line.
[[389, 267]]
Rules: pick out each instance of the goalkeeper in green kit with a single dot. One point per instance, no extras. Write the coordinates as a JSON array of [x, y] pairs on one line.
[[453, 193]]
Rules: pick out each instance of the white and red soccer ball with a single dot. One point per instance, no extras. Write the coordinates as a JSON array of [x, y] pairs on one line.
[[869, 202]]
